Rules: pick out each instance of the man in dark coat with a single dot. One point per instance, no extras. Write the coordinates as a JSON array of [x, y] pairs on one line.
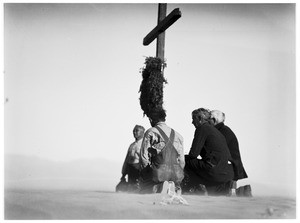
[[218, 118], [213, 169]]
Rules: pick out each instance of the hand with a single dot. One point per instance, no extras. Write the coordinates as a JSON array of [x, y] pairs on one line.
[[152, 151]]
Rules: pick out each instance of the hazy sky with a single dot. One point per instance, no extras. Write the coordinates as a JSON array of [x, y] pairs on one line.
[[72, 76]]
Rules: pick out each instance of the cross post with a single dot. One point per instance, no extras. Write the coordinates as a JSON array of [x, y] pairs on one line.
[[158, 32], [160, 42]]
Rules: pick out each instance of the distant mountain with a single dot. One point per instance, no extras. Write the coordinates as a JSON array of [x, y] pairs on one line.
[[29, 172], [38, 173]]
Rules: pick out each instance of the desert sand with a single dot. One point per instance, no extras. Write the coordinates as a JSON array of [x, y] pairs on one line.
[[80, 205]]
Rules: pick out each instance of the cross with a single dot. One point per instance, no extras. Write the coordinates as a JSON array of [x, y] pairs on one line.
[[159, 31]]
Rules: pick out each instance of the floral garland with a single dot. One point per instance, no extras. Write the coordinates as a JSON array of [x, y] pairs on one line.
[[151, 89]]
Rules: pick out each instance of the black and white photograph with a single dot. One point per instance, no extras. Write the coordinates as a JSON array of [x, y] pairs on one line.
[[157, 110]]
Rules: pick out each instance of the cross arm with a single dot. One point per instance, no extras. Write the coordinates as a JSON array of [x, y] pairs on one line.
[[162, 26]]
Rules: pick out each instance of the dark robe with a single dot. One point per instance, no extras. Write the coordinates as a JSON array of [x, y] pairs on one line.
[[213, 169], [233, 145]]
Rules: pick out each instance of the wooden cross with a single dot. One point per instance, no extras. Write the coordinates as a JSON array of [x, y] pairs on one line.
[[159, 31]]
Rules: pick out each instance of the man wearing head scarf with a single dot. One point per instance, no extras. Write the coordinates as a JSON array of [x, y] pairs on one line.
[[213, 170], [218, 118]]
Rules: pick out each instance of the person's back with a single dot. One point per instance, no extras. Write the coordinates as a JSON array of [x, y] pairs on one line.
[[233, 146], [154, 139], [231, 140], [232, 143], [154, 144]]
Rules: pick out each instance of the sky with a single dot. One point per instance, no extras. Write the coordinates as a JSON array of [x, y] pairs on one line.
[[72, 74]]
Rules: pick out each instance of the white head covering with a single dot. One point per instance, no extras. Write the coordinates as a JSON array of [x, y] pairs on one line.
[[218, 116]]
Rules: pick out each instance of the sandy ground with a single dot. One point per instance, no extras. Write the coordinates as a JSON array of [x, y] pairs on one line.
[[79, 205]]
